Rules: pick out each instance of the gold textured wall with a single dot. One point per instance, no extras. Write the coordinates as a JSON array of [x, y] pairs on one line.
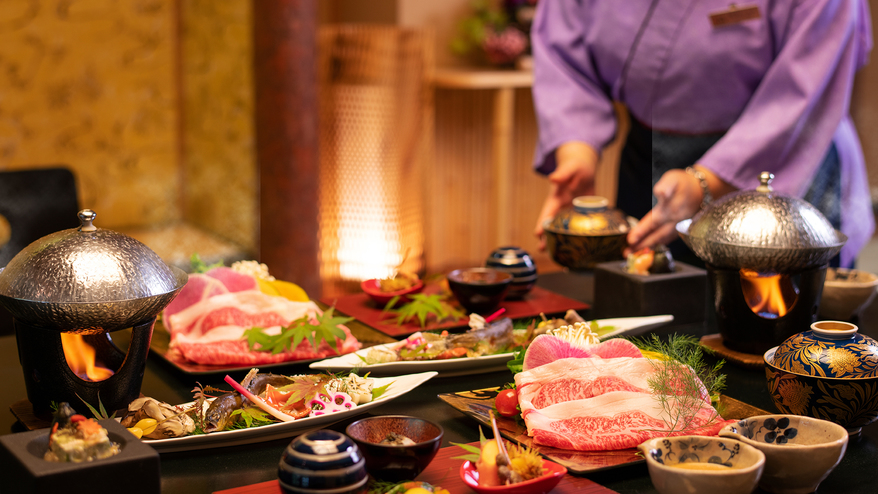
[[91, 84], [219, 163]]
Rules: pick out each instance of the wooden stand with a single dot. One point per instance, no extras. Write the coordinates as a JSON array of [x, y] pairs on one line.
[[715, 343]]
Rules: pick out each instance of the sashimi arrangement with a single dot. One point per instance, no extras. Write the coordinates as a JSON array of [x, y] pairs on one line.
[[259, 399], [576, 392], [241, 315]]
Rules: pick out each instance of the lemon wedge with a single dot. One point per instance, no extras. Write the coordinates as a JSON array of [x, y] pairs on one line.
[[280, 288]]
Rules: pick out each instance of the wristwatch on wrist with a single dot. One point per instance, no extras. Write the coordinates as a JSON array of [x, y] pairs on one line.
[[702, 181]]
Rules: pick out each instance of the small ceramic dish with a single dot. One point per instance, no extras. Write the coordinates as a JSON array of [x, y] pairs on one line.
[[800, 452], [373, 290], [393, 462], [540, 485], [846, 292], [702, 464]]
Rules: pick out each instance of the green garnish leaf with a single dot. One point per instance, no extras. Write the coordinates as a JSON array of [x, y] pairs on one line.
[[327, 329], [474, 452], [199, 266], [380, 390], [99, 414], [516, 365], [251, 417], [423, 307]]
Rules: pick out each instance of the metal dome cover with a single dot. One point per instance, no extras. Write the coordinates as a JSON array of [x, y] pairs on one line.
[[762, 230], [87, 277]]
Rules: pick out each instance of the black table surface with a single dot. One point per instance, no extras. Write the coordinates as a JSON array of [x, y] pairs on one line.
[[210, 470]]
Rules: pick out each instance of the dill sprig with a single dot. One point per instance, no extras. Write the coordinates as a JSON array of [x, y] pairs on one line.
[[682, 381]]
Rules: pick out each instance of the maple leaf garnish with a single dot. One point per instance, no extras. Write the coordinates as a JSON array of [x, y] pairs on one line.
[[326, 329]]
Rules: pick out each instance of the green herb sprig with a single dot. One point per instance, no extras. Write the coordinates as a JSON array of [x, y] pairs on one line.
[[327, 329], [681, 378]]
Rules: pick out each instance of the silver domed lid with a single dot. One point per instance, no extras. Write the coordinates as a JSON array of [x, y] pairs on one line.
[[87, 279], [762, 230]]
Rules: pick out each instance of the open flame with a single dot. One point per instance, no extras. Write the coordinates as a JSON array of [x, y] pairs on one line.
[[81, 358], [767, 294]]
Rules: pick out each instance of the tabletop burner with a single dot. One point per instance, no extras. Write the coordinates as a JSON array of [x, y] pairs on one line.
[[49, 376], [67, 292], [756, 311]]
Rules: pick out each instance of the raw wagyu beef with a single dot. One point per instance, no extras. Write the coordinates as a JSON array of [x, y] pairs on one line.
[[601, 403], [207, 325]]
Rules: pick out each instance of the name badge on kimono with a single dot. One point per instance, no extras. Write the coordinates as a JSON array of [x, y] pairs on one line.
[[735, 15]]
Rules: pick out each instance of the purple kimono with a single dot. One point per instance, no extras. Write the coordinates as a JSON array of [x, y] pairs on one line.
[[777, 81]]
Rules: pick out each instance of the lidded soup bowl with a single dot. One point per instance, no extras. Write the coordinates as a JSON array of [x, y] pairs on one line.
[[588, 233], [829, 372]]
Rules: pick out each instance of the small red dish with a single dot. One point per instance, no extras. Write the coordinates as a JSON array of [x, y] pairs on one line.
[[540, 485], [373, 289]]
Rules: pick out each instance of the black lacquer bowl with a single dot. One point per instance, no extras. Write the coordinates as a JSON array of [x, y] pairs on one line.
[[396, 463]]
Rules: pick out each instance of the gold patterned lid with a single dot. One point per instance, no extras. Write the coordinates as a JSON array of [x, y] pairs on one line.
[[590, 215], [832, 349]]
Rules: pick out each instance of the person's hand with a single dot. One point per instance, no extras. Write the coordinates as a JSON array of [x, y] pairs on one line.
[[573, 177], [678, 196]]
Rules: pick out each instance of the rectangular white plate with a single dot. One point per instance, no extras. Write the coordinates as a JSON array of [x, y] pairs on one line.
[[625, 326], [399, 386]]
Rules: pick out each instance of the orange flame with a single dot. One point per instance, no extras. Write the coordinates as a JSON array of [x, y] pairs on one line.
[[81, 358], [764, 293]]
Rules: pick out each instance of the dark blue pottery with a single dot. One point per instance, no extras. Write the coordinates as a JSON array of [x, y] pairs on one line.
[[518, 262], [322, 460]]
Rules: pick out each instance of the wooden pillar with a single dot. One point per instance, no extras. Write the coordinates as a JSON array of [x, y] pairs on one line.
[[286, 107]]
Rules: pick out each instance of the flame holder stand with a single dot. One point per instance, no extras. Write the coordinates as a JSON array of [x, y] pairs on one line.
[[743, 330], [48, 378]]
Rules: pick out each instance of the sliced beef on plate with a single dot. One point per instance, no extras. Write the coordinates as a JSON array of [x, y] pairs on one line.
[[234, 351], [250, 308], [615, 420], [233, 280], [198, 288], [595, 404]]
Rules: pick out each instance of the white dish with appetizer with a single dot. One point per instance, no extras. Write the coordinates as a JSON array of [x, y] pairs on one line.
[[369, 359]]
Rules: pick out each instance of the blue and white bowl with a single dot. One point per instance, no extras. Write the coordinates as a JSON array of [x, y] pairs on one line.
[[800, 452], [322, 461], [517, 262]]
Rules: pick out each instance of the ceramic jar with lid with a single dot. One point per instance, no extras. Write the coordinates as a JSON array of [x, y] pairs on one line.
[[588, 233], [829, 373], [516, 261], [322, 461]]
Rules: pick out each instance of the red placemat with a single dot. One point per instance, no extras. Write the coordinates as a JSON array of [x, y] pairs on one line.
[[444, 471], [364, 309]]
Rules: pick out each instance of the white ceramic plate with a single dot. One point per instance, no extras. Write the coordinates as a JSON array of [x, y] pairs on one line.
[[399, 386], [625, 326]]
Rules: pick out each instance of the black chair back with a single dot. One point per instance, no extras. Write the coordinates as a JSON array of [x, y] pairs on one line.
[[35, 203]]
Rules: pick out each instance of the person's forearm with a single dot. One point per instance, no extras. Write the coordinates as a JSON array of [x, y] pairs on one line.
[[575, 152], [717, 186]]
